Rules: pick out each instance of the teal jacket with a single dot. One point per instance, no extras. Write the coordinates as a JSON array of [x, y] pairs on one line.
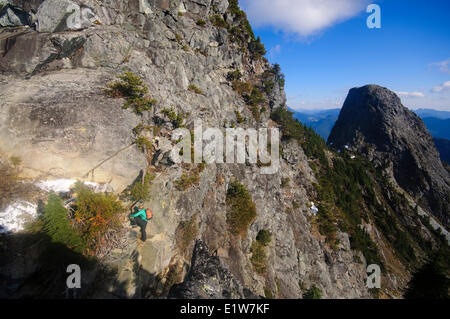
[[140, 213]]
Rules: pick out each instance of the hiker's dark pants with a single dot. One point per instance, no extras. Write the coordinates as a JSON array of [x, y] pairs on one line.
[[143, 224]]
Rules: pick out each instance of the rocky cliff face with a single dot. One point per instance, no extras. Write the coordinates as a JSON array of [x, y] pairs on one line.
[[56, 61], [374, 123], [208, 277]]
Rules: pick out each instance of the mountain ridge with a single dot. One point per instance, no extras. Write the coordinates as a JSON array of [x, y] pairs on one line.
[[374, 122]]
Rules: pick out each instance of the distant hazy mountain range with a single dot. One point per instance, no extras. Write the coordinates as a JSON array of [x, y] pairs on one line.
[[437, 123], [322, 121]]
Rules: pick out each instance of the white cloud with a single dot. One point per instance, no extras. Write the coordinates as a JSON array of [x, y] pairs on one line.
[[274, 51], [441, 88], [443, 66], [410, 94], [302, 17]]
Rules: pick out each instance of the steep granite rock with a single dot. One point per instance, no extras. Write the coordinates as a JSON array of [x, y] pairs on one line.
[[56, 117], [374, 123], [208, 277]]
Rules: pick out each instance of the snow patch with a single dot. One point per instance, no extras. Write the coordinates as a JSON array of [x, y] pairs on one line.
[[64, 185], [314, 209], [57, 185], [14, 217]]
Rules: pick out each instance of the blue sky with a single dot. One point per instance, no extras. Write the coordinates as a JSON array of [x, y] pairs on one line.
[[325, 48]]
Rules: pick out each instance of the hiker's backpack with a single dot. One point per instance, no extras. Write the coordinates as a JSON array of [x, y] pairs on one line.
[[149, 214]]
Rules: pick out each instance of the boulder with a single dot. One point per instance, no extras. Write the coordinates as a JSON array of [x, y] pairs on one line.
[[12, 17], [63, 15]]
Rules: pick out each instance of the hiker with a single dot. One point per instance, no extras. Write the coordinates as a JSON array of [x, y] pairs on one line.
[[141, 217]]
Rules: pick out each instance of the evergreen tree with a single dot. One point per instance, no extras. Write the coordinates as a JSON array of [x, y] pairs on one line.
[[58, 226], [430, 281]]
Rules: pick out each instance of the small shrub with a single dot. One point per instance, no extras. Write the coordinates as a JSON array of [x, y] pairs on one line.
[[313, 293], [201, 22], [255, 98], [241, 210], [187, 232], [202, 52], [178, 38], [290, 127], [285, 182], [133, 89], [195, 89], [140, 191], [276, 70], [257, 48], [96, 214], [327, 225], [239, 118], [143, 143], [180, 14], [176, 119], [268, 293], [139, 128], [218, 21], [295, 205], [264, 237], [256, 112], [187, 180], [259, 258], [128, 85], [242, 87], [233, 7], [268, 87], [431, 280], [235, 75]]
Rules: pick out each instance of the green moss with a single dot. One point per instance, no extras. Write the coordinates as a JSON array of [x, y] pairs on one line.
[[313, 293], [201, 22], [195, 89], [241, 211]]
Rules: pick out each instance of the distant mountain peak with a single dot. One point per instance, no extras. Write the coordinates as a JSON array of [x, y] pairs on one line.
[[374, 123]]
